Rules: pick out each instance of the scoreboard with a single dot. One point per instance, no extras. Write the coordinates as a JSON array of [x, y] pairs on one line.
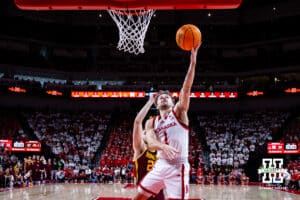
[[283, 148], [21, 146]]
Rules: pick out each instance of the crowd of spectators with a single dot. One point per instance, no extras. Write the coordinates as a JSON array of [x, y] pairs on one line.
[[221, 176], [73, 137], [10, 126], [36, 169], [292, 176], [292, 135], [232, 137]]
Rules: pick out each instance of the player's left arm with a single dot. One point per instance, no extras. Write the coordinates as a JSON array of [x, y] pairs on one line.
[[183, 104], [138, 144]]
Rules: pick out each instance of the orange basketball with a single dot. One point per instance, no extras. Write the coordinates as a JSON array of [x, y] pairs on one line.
[[188, 36]]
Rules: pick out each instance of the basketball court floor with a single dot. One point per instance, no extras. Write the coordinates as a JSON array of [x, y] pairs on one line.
[[125, 192]]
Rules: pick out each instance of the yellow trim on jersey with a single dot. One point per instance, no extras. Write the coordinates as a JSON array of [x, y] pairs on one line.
[[136, 169]]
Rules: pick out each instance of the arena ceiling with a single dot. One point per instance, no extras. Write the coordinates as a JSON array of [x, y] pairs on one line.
[[259, 35]]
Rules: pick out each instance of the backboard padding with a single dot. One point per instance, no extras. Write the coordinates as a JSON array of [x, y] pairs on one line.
[[125, 4]]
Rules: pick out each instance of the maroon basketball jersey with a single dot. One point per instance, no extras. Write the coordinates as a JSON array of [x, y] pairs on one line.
[[142, 166]]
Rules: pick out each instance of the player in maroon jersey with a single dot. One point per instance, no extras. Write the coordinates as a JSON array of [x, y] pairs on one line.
[[143, 158]]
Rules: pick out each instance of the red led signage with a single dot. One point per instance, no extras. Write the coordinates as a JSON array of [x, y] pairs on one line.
[[17, 89], [54, 92], [255, 93], [142, 94], [283, 148], [292, 90]]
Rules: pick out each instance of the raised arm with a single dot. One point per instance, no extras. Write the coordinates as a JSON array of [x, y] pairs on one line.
[[183, 104], [138, 144]]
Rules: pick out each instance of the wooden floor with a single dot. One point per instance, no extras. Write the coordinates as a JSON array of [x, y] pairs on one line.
[[119, 191]]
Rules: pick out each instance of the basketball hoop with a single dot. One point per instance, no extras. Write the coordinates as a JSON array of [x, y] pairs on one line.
[[133, 25], [131, 16]]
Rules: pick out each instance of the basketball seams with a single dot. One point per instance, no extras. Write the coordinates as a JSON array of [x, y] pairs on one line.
[[188, 36], [193, 36], [190, 31], [184, 36]]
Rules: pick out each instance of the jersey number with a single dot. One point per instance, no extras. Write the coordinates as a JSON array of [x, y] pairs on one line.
[[150, 164]]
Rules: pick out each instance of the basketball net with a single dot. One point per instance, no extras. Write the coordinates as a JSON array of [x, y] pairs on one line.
[[133, 25]]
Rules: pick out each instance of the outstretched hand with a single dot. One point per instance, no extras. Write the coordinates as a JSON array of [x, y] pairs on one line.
[[194, 52], [170, 151], [152, 97]]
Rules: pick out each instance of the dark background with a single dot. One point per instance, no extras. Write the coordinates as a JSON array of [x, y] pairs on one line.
[[247, 48]]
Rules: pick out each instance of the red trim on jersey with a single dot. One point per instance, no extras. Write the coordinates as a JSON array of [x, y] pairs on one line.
[[147, 190], [166, 137], [182, 124], [182, 182]]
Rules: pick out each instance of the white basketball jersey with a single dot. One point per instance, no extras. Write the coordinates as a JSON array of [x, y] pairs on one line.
[[174, 133]]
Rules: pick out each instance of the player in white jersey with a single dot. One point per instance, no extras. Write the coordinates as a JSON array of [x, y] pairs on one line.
[[168, 133]]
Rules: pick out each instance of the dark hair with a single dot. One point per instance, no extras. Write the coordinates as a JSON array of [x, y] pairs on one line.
[[160, 92]]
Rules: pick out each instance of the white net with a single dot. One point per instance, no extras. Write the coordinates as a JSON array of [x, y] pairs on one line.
[[133, 25]]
